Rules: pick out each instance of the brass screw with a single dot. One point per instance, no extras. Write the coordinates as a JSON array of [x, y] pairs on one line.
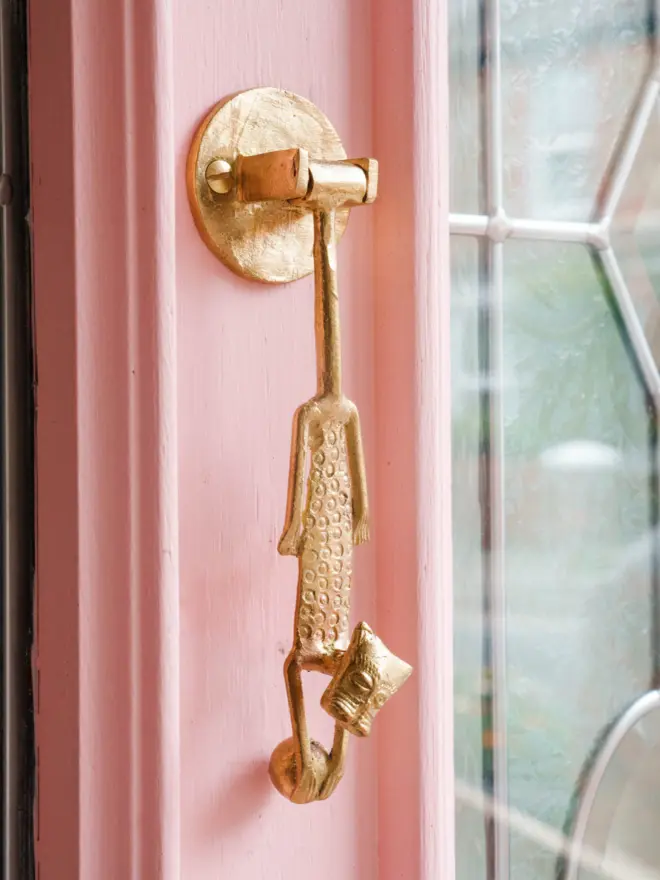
[[219, 176]]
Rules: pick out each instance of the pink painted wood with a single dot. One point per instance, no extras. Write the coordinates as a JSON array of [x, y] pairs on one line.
[[166, 388], [107, 646], [413, 425]]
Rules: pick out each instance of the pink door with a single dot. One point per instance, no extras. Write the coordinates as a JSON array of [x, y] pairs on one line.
[[167, 386]]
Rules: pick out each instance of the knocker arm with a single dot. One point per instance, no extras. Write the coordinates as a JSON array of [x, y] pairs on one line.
[[289, 542], [336, 763], [358, 479]]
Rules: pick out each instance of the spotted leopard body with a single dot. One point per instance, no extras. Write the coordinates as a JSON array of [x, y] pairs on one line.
[[326, 546]]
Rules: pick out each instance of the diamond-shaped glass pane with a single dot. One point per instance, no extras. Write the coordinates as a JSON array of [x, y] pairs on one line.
[[571, 70]]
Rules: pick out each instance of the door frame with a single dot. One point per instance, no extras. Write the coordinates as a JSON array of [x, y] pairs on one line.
[[106, 656], [413, 415], [106, 661]]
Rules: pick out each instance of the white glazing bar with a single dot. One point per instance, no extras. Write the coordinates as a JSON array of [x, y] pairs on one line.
[[468, 224], [497, 554], [556, 230], [495, 585], [503, 227], [634, 329], [630, 145], [593, 785]]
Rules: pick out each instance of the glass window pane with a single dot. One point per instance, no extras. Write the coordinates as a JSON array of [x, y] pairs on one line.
[[570, 72], [578, 574], [464, 108], [470, 832], [556, 388]]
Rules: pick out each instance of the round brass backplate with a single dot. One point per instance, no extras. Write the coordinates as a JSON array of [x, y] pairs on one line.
[[267, 241]]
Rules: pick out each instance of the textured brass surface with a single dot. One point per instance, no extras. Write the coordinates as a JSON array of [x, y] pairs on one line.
[[366, 677], [283, 767], [219, 176], [281, 174], [270, 186], [265, 240], [327, 475]]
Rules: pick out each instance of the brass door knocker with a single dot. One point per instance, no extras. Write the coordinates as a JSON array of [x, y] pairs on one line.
[[270, 188]]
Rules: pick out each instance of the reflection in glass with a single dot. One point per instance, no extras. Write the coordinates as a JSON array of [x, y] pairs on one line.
[[571, 69], [556, 527], [464, 109], [612, 827], [578, 582]]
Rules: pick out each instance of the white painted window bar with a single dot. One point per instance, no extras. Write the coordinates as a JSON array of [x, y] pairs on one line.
[[494, 229]]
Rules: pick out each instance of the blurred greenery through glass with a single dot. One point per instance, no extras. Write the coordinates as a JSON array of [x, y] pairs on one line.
[[578, 424]]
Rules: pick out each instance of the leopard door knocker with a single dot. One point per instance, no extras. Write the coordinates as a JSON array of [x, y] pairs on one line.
[[270, 188]]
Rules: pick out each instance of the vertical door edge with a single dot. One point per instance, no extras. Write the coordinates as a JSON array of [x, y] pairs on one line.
[[413, 405], [107, 641]]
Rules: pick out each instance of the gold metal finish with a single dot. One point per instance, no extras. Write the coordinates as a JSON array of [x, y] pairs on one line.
[[367, 676], [327, 443], [271, 203], [263, 240], [219, 176]]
